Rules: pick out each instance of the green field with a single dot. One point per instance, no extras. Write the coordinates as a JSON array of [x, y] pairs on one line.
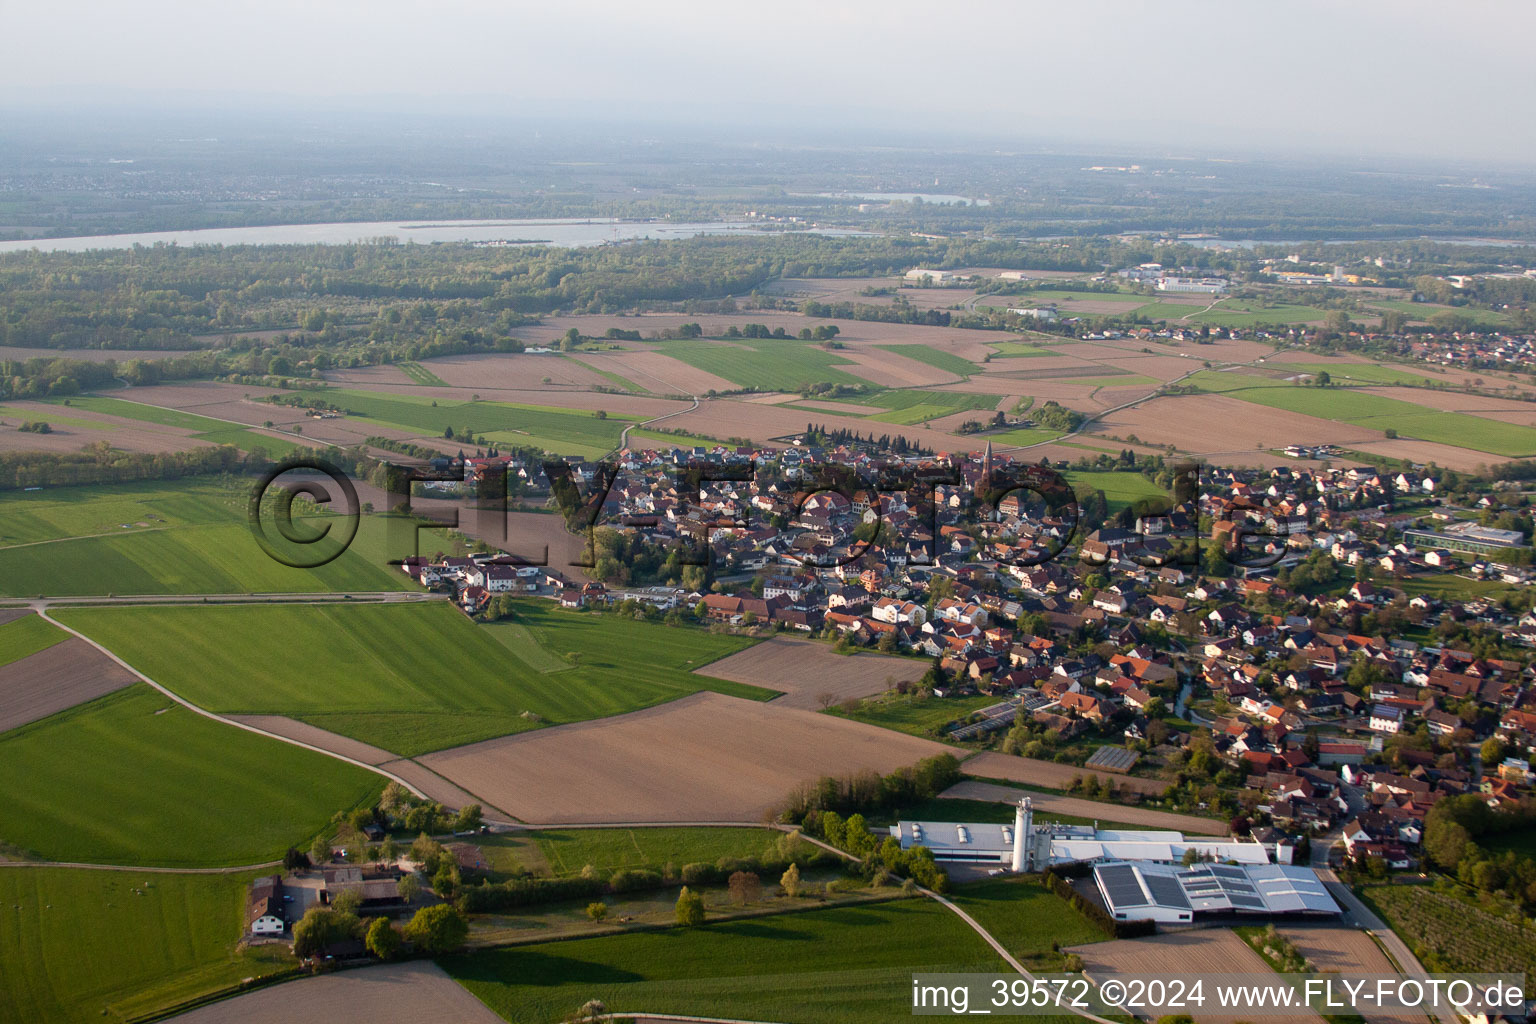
[[133, 778], [1358, 373], [209, 559], [51, 418], [80, 946], [1247, 312], [421, 375], [1025, 436], [768, 364], [206, 428], [910, 714], [26, 636], [935, 357], [912, 414], [1026, 918], [56, 512], [846, 965], [1020, 350], [1350, 405], [1121, 487], [1170, 310], [567, 851], [412, 678], [559, 431], [1067, 296], [1422, 311]]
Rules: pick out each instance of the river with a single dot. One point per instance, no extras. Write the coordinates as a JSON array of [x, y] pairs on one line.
[[570, 233]]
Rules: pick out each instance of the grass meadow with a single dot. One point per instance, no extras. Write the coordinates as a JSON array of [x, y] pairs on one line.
[[412, 678], [564, 852], [23, 637], [1349, 405], [1026, 918], [186, 537], [1121, 487], [846, 965], [768, 364], [935, 357], [559, 431], [134, 778], [81, 945]]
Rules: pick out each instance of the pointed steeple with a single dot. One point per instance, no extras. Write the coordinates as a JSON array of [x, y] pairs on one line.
[[986, 465]]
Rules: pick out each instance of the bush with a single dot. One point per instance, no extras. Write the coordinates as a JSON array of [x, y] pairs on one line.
[[525, 892], [690, 908], [631, 880], [699, 873], [438, 929]]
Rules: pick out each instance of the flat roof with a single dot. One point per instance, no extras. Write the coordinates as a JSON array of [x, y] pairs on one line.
[[1131, 888]]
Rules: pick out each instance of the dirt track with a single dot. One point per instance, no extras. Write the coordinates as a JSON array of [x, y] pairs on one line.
[[704, 757], [1033, 772], [804, 671], [54, 680]]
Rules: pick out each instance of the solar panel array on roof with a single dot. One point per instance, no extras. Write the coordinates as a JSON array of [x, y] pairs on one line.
[[1121, 886], [1214, 888], [1166, 891]]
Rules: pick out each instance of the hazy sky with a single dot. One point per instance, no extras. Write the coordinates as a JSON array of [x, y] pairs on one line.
[[1441, 79]]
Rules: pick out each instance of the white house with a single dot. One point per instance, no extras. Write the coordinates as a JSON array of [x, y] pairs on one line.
[[1386, 719]]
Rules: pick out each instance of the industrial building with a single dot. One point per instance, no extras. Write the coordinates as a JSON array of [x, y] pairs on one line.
[[1026, 846], [1141, 875], [1174, 894]]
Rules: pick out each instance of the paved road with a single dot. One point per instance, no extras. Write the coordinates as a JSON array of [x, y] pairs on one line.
[[624, 434]]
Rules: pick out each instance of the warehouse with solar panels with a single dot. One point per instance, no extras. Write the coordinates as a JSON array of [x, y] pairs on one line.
[[1173, 894]]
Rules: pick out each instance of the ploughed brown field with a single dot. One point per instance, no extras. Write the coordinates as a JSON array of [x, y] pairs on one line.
[[657, 372], [1216, 423], [56, 679], [417, 992], [706, 757], [893, 370], [720, 418], [1093, 810], [1032, 772], [507, 370], [1347, 951], [142, 438], [811, 675], [1182, 955]]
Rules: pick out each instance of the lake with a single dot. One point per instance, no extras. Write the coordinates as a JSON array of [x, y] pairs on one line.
[[559, 232]]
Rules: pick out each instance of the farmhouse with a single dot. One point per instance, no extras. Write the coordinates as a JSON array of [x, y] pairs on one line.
[[264, 912]]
